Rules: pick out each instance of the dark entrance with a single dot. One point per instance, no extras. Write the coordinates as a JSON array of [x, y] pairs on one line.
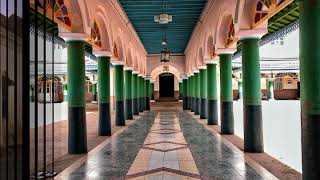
[[166, 82]]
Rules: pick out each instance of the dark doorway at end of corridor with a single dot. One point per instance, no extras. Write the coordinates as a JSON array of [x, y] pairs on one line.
[[166, 82]]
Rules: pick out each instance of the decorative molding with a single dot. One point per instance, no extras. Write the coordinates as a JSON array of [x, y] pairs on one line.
[[128, 68], [102, 53], [117, 63], [226, 50], [67, 36], [212, 61], [252, 33]]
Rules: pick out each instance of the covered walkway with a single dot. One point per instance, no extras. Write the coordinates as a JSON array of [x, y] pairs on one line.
[[180, 89], [169, 144]]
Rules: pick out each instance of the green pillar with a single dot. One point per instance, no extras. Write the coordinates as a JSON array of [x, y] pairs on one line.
[[203, 94], [104, 96], [226, 94], [135, 91], [77, 127], [192, 90], [148, 94], [94, 92], [197, 93], [128, 93], [118, 79], [65, 92], [180, 90], [152, 90], [144, 94], [252, 112], [240, 92], [270, 88], [212, 94], [140, 94], [310, 87], [189, 92], [185, 93]]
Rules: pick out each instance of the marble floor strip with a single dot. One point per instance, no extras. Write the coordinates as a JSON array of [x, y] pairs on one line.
[[164, 154]]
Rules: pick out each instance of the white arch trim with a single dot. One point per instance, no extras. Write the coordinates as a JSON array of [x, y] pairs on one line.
[[159, 70]]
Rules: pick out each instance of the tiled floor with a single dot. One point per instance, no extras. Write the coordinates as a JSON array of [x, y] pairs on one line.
[[165, 145], [164, 154]]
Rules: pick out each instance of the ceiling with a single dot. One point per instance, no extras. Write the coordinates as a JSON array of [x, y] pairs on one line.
[[185, 14]]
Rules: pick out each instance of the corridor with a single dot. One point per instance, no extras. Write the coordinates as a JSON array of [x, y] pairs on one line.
[[166, 145]]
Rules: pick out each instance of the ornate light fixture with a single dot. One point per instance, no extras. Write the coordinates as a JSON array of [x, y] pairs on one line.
[[164, 40], [165, 55], [163, 18]]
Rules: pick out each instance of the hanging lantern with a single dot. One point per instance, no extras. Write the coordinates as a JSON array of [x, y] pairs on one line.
[[165, 55]]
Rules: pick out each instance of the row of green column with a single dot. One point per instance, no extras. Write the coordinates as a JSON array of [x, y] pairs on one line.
[[128, 89], [202, 90], [252, 116]]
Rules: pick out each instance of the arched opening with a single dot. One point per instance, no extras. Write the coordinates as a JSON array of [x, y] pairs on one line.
[[166, 85]]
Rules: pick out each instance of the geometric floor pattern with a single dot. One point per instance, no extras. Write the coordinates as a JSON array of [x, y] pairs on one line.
[[164, 154]]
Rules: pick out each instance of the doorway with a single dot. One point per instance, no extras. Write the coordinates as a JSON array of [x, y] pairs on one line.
[[166, 82]]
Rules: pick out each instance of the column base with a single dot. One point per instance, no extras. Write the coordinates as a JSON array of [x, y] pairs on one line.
[[77, 130], [120, 121], [94, 98], [148, 104], [227, 120], [253, 136], [128, 109], [204, 108], [104, 128], [196, 106], [212, 112], [185, 102], [135, 106], [140, 104], [310, 146]]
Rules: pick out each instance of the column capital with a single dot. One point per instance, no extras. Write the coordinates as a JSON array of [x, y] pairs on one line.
[[117, 63], [215, 60], [225, 51], [67, 36], [152, 81], [135, 72], [184, 76], [252, 33], [127, 68], [191, 74], [196, 71], [102, 53], [148, 77], [202, 67]]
